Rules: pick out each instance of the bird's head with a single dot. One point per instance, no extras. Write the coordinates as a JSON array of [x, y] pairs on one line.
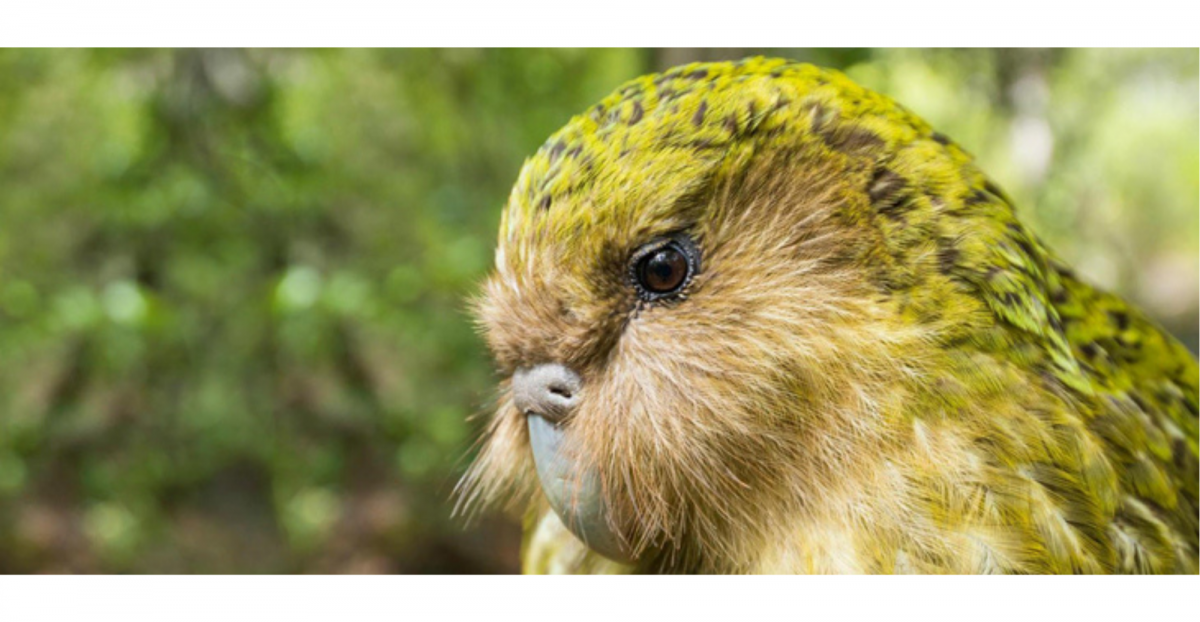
[[698, 304]]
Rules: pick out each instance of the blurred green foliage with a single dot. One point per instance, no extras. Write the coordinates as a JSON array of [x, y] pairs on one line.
[[234, 330]]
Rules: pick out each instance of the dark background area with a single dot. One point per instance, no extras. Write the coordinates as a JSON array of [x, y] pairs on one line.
[[233, 334]]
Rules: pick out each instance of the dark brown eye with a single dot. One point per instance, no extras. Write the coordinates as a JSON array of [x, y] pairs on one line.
[[663, 269]]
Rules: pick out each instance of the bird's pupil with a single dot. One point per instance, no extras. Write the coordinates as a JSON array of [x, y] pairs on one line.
[[664, 270]]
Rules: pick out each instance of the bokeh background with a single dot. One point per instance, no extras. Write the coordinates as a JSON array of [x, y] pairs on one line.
[[233, 335]]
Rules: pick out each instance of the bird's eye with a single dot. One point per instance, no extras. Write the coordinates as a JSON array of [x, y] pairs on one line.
[[663, 268], [663, 271]]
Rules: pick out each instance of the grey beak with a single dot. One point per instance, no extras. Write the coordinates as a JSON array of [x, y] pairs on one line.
[[574, 494], [547, 394]]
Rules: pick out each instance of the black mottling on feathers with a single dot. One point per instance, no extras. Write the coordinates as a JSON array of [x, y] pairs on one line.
[[1022, 240], [977, 197], [995, 190], [897, 207], [947, 258], [777, 130], [1180, 454], [884, 185], [819, 117], [850, 139], [637, 113], [1120, 318], [731, 124]]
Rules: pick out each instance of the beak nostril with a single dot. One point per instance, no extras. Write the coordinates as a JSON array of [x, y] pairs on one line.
[[562, 392]]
